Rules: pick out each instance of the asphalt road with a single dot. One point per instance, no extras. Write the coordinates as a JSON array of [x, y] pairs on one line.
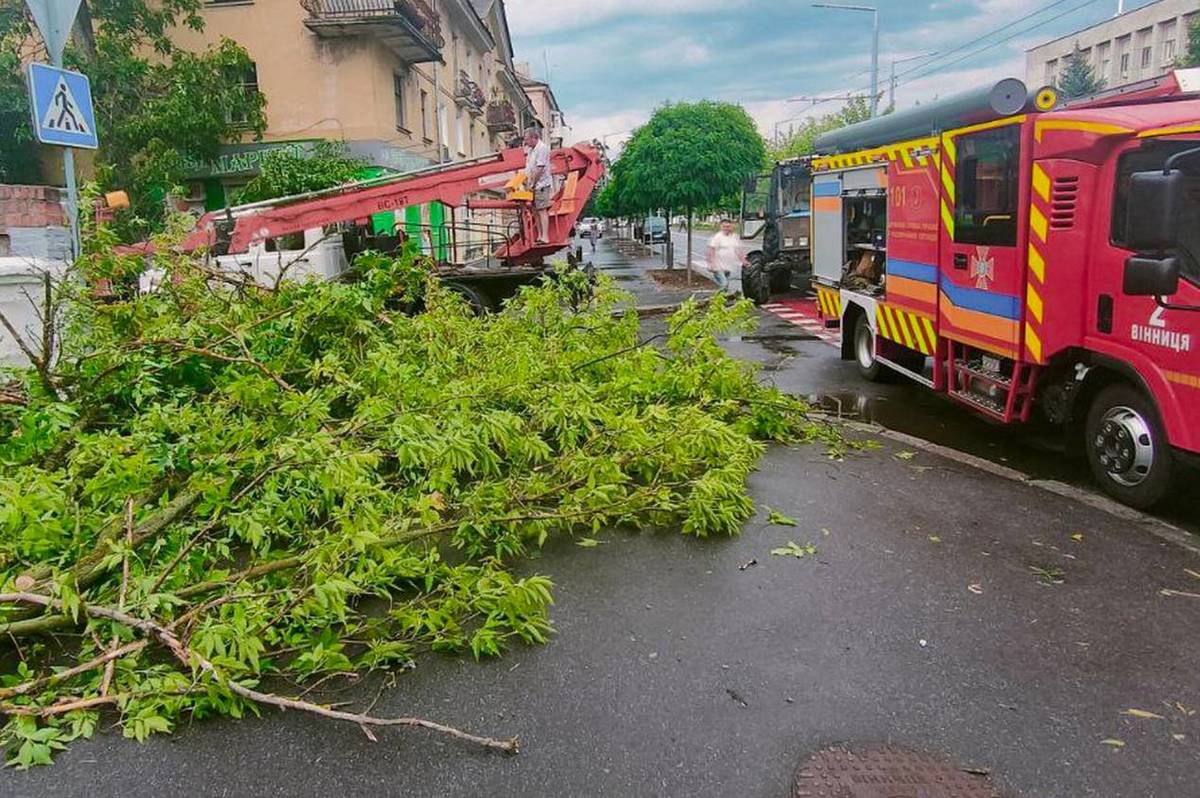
[[946, 609]]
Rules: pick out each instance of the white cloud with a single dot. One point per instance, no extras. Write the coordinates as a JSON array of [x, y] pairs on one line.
[[536, 17], [613, 129], [679, 50]]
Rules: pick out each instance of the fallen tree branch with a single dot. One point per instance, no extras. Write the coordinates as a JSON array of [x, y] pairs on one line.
[[191, 659], [57, 678]]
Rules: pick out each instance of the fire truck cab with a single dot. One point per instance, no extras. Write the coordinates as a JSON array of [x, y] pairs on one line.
[[1018, 256]]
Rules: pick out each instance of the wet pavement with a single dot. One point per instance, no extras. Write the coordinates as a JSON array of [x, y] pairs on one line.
[[945, 610]]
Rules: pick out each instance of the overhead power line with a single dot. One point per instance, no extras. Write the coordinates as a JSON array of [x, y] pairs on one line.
[[1005, 40]]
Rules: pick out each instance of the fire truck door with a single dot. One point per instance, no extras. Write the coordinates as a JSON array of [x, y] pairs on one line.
[[981, 268]]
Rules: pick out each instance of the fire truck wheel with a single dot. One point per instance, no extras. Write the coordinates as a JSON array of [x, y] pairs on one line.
[[864, 352], [1127, 447]]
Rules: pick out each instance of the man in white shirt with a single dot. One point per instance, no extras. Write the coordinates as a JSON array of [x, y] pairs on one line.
[[725, 259], [539, 180]]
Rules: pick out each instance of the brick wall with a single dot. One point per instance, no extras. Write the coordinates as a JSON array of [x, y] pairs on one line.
[[31, 220]]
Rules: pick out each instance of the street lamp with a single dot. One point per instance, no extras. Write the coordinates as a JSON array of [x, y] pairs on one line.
[[874, 48], [892, 89]]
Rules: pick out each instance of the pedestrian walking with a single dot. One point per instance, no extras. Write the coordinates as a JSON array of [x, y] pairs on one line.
[[725, 259], [539, 180]]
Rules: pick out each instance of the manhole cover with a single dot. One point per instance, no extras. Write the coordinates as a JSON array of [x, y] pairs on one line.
[[886, 771]]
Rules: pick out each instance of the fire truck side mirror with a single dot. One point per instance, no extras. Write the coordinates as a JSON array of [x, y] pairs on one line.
[[1151, 276], [1155, 205]]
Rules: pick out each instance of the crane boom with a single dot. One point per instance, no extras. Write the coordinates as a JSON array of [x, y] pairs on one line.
[[578, 168]]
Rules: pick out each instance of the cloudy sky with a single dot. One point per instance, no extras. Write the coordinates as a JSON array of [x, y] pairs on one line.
[[611, 62]]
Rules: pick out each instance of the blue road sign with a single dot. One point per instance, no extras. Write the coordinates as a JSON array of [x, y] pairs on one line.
[[62, 107]]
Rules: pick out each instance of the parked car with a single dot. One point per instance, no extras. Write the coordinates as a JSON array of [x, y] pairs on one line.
[[654, 230], [591, 226]]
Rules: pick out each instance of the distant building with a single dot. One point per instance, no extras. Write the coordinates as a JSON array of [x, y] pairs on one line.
[[405, 83], [1136, 45], [548, 114]]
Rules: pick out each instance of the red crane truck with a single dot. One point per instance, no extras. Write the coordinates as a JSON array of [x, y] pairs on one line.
[[1018, 255], [336, 224]]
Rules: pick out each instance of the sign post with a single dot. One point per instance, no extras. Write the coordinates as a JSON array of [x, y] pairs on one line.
[[55, 18]]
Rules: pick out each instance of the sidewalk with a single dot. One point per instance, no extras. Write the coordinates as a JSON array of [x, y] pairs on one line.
[[629, 263]]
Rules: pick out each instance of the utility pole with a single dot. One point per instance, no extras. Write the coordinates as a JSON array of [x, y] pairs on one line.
[[874, 48]]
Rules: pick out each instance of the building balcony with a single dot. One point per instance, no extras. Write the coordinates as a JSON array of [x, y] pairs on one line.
[[501, 117], [468, 95], [409, 28]]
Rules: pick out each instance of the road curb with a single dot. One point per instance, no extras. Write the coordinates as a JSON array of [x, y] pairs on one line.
[[1155, 526]]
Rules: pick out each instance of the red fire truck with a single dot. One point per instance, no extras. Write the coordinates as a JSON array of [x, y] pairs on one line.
[[1016, 255]]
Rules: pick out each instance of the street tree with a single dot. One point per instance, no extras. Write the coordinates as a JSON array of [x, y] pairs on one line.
[[1192, 57], [690, 157], [799, 141], [157, 106], [1079, 78], [284, 173]]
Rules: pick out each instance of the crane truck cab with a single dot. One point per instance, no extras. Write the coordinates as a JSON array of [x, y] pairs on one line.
[[775, 221], [1022, 256]]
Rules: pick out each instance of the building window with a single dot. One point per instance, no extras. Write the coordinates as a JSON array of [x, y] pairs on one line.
[[1051, 72], [1147, 57], [1105, 66], [425, 114], [1125, 66], [398, 94], [988, 187], [1168, 52], [247, 81]]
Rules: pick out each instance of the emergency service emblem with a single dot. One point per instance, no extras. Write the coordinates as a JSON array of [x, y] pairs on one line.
[[983, 268]]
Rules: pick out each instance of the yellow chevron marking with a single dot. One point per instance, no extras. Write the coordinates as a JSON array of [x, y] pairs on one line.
[[1041, 182], [948, 183], [1100, 129], [1033, 343], [1037, 264], [950, 148], [948, 219], [929, 331], [962, 131], [1039, 223], [1034, 300], [906, 157], [902, 323], [1169, 131], [881, 322]]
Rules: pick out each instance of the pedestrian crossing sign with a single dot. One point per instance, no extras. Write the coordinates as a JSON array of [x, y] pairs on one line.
[[62, 107]]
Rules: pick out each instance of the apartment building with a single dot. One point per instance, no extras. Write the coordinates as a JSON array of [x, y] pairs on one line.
[[405, 83], [547, 113], [1137, 45]]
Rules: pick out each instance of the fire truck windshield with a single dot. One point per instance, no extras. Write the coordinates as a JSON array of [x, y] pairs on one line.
[[1151, 156]]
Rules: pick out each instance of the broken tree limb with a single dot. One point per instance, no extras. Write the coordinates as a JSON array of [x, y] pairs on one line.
[[191, 659]]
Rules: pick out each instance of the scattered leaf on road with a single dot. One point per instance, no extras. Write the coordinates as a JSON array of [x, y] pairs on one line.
[[1077, 537], [976, 589], [934, 539], [1141, 713], [794, 549], [1191, 573], [905, 455], [587, 543], [779, 519], [750, 564], [1114, 742], [1052, 575], [1179, 593], [1178, 737]]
